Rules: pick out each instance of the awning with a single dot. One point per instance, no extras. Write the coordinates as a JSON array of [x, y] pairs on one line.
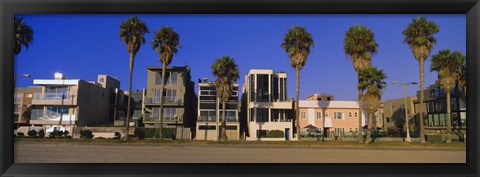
[[328, 123], [310, 126]]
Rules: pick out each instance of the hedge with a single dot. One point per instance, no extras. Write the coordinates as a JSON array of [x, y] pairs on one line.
[[142, 133], [275, 134]]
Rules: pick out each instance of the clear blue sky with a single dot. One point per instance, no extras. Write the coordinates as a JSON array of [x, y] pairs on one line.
[[82, 46]]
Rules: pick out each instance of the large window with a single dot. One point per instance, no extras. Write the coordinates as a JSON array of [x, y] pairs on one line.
[[262, 88], [209, 115], [319, 115], [304, 115], [262, 115], [168, 114], [171, 80], [338, 115], [252, 88], [275, 87]]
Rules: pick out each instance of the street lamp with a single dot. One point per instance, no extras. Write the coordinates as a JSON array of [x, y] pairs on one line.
[[16, 76], [405, 99]]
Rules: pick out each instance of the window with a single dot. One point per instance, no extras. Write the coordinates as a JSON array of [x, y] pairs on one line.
[[102, 79], [319, 99], [388, 119], [326, 113], [319, 115], [349, 114], [329, 98], [261, 133], [171, 80], [338, 115], [262, 88], [356, 114], [304, 115], [262, 115]]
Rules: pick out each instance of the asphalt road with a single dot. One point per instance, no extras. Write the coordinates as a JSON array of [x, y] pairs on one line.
[[50, 152]]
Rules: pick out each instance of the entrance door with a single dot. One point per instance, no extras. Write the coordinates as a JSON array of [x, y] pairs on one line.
[[287, 134]]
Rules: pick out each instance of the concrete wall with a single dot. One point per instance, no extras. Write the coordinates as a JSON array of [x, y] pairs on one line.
[[93, 104]]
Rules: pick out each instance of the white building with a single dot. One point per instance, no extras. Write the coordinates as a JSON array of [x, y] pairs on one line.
[[267, 107]]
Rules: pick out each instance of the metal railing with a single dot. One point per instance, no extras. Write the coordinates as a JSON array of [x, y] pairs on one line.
[[152, 118], [51, 96], [166, 99], [213, 119]]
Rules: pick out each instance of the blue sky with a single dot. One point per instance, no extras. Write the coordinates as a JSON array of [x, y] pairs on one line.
[[82, 46]]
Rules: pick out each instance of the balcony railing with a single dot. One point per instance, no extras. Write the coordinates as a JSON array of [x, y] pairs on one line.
[[166, 100], [213, 119], [51, 96], [155, 118]]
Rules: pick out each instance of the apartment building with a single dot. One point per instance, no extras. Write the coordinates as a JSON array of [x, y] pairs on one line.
[[394, 112], [436, 109], [66, 103], [267, 107], [22, 105], [179, 100], [210, 111]]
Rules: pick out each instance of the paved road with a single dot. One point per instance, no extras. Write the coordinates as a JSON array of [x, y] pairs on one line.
[[50, 152]]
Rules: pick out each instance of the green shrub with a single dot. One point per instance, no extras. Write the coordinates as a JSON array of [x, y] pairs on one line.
[[56, 134], [117, 135], [102, 138], [41, 133], [65, 133], [142, 133], [86, 134], [275, 134], [20, 134], [32, 133]]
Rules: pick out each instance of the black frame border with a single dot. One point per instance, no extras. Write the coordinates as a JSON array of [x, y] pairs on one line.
[[10, 7]]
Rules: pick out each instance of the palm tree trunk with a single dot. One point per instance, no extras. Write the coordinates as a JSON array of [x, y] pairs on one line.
[[127, 121], [360, 129], [449, 118], [224, 122], [369, 128], [164, 67], [421, 124], [297, 93]]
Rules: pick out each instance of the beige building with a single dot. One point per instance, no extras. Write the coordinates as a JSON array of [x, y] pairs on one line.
[[209, 118], [22, 105], [320, 97], [266, 106], [66, 103], [179, 108], [394, 113]]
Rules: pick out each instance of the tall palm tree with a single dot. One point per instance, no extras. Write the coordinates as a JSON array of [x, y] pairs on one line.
[[23, 35], [132, 32], [227, 74], [166, 42], [419, 35], [297, 43], [360, 46], [462, 76], [372, 80], [446, 63]]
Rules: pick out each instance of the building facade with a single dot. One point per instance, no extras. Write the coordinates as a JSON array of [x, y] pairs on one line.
[[208, 125], [267, 107], [66, 103], [329, 118], [436, 109], [22, 105], [394, 113], [179, 100]]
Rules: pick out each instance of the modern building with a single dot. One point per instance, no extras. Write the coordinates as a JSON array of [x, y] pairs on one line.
[[179, 100], [436, 109], [22, 105], [394, 113], [210, 113], [267, 107], [66, 103]]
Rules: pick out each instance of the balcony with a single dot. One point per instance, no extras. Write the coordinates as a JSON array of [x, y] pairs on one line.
[[154, 118], [53, 99], [214, 119], [167, 100]]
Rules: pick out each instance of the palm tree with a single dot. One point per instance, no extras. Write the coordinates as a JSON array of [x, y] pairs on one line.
[[446, 63], [419, 35], [166, 42], [23, 35], [227, 74], [372, 80], [132, 33], [297, 43], [462, 76], [360, 45]]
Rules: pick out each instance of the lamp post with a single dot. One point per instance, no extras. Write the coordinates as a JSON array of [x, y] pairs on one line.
[[16, 76], [406, 114]]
